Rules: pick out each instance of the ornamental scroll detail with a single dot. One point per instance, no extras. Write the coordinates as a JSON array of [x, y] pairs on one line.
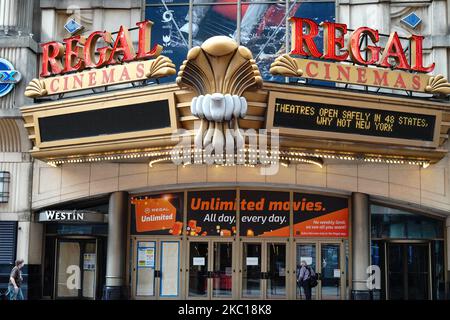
[[219, 72]]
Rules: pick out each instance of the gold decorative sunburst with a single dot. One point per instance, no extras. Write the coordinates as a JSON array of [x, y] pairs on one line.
[[36, 88], [438, 85], [162, 66], [285, 65], [219, 72]]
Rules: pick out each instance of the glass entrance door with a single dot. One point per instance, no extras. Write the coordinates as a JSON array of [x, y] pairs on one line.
[[331, 271], [305, 252], [264, 270], [326, 259], [156, 269], [276, 270], [76, 269], [408, 271], [210, 270]]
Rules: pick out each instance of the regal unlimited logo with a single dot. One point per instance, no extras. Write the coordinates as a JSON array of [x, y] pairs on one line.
[[8, 77]]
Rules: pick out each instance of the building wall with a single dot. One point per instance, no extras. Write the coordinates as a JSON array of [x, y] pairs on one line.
[[422, 188]]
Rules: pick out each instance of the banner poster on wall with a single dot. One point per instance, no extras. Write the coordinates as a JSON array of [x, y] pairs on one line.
[[264, 213], [211, 213], [160, 214], [320, 216]]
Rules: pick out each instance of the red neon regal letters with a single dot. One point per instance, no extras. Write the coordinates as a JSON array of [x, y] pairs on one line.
[[79, 52], [303, 44]]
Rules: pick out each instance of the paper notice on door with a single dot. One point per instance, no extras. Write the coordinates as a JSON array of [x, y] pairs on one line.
[[308, 260], [198, 261], [252, 261], [146, 257], [89, 260], [337, 273]]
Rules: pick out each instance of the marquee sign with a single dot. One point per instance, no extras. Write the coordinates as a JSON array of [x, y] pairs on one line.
[[77, 64], [345, 119], [389, 65]]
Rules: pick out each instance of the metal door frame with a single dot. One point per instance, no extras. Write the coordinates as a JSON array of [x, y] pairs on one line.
[[318, 247], [82, 239], [264, 242], [158, 240], [210, 267], [406, 242]]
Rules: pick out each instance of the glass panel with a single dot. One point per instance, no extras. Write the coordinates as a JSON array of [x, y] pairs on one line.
[[331, 272], [396, 272], [213, 20], [438, 270], [393, 223], [251, 270], [377, 259], [198, 269], [145, 274], [276, 268], [170, 265], [307, 253], [69, 277], [170, 30], [418, 271], [222, 269], [89, 270], [263, 31]]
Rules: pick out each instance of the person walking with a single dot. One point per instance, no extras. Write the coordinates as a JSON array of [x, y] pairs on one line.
[[304, 277], [15, 281]]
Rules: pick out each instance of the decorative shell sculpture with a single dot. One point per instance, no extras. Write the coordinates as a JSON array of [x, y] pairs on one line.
[[36, 88], [285, 65], [219, 72], [438, 85]]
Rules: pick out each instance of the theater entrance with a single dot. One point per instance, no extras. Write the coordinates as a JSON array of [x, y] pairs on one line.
[[409, 275], [263, 269], [327, 258], [211, 269], [156, 268]]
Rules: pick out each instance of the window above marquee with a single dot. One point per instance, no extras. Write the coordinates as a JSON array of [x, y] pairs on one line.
[[260, 26], [393, 223]]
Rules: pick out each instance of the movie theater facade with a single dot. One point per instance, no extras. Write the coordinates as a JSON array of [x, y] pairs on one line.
[[219, 184]]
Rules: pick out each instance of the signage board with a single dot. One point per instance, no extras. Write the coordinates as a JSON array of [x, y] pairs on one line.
[[160, 214], [390, 67], [350, 120], [320, 216], [77, 216], [9, 77], [264, 213], [80, 62], [211, 213]]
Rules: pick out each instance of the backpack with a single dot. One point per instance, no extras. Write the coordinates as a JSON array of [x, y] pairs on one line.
[[313, 277]]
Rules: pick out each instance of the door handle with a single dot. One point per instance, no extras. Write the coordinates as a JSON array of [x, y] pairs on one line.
[[157, 274]]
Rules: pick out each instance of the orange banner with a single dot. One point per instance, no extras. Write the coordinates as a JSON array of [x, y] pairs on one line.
[[331, 225], [154, 214]]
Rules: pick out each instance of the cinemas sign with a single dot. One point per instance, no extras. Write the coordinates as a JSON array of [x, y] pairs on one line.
[[97, 60], [389, 65]]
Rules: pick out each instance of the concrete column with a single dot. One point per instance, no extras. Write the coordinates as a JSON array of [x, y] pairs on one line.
[[360, 245], [116, 252], [447, 224]]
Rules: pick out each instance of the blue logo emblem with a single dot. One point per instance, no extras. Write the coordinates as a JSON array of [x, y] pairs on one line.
[[72, 26], [8, 77], [412, 20]]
